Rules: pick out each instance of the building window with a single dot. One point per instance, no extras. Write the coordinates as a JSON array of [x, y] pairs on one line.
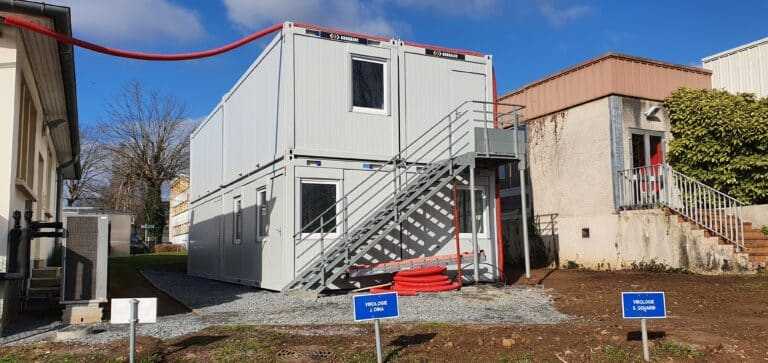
[[262, 214], [238, 220], [368, 85], [318, 197], [465, 210], [26, 138]]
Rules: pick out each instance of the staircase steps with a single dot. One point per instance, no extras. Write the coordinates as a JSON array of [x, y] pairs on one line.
[[44, 289], [344, 251]]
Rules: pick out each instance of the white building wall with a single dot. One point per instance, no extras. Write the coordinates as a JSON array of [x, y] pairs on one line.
[[8, 79], [742, 69]]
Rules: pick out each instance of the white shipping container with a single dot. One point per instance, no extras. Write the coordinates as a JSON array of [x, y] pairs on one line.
[[325, 109]]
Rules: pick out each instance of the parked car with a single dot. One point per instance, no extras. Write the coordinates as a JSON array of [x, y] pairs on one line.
[[138, 246]]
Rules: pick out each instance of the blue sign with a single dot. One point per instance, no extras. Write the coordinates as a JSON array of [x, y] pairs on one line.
[[375, 306], [643, 305]]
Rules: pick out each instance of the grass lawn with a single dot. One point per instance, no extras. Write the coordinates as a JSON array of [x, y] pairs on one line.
[[126, 281]]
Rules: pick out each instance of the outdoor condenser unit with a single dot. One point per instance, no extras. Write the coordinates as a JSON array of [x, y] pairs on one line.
[[85, 257]]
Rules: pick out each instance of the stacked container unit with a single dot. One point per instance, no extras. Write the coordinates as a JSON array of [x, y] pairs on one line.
[[296, 126]]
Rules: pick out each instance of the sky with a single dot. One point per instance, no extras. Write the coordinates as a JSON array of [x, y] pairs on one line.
[[528, 39]]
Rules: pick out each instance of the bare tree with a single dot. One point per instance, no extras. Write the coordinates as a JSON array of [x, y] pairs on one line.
[[92, 163], [147, 137]]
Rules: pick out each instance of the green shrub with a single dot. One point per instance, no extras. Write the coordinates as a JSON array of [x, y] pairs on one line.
[[721, 139]]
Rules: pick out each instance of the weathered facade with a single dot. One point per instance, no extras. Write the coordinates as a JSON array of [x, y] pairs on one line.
[[298, 154], [587, 126]]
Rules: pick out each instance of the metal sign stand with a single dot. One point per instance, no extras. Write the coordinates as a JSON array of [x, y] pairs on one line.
[[377, 329], [132, 338], [644, 333], [644, 305]]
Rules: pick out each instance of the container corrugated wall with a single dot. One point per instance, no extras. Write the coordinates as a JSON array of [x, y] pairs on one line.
[[743, 69]]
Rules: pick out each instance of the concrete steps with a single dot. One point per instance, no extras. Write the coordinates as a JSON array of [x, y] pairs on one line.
[[44, 289], [755, 241]]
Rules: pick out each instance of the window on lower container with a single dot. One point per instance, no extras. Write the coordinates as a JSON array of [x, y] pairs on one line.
[[262, 214], [318, 198], [465, 211], [368, 86], [238, 220]]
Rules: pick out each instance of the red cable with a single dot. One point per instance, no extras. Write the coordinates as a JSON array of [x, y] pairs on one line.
[[37, 28]]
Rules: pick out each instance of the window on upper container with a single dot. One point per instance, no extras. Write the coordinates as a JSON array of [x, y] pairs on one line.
[[318, 198], [368, 85]]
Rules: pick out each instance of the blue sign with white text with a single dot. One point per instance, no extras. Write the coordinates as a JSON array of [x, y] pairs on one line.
[[375, 306], [643, 305]]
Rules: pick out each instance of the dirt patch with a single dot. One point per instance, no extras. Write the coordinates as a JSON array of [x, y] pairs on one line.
[[711, 318]]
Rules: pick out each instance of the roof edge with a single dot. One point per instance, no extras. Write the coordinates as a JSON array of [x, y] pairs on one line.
[[61, 17], [603, 57], [732, 51]]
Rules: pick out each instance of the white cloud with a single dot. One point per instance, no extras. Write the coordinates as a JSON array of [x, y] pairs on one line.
[[470, 8], [347, 14], [559, 16], [134, 21]]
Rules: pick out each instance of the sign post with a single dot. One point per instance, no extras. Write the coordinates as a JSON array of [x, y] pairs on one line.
[[132, 338], [643, 306], [376, 307], [133, 312]]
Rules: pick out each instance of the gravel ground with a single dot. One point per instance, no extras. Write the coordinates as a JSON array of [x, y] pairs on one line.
[[216, 303], [235, 303]]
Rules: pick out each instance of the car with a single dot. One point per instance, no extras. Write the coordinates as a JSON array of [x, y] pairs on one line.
[[138, 246]]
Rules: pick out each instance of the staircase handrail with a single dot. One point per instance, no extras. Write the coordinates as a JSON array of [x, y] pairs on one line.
[[395, 161]]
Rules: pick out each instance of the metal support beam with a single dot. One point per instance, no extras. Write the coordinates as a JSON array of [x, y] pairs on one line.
[[473, 216], [524, 214]]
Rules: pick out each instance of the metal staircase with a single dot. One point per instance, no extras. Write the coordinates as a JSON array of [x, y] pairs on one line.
[[364, 216]]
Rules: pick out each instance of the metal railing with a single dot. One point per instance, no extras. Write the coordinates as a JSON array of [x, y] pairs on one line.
[[662, 186], [433, 150]]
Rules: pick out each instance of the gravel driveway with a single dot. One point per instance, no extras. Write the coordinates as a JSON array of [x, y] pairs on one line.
[[219, 302], [216, 303]]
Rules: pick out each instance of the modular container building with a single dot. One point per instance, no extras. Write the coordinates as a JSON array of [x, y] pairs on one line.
[[743, 69], [338, 152]]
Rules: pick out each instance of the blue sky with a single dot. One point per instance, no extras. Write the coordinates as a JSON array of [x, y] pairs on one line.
[[528, 38]]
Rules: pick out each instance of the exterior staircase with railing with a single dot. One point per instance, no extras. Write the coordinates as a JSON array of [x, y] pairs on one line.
[[718, 214], [381, 202]]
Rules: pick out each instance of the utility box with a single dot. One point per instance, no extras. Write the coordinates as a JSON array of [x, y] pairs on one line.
[[85, 257]]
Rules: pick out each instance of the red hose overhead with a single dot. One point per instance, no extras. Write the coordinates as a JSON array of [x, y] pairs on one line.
[[37, 28]]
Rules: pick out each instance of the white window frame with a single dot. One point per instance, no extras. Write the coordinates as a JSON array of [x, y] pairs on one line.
[[385, 79], [336, 198], [237, 208], [260, 235], [486, 210]]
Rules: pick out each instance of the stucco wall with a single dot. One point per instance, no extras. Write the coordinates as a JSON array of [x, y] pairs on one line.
[[570, 165], [647, 237], [757, 214]]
